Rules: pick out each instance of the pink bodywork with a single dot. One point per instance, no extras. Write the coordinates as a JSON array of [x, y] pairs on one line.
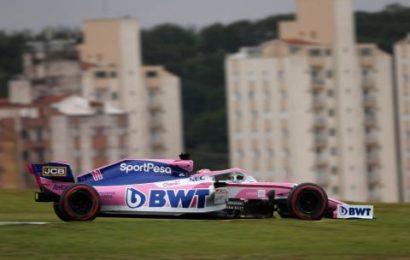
[[114, 197]]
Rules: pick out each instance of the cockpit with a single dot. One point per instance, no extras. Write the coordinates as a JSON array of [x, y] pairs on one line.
[[233, 177]]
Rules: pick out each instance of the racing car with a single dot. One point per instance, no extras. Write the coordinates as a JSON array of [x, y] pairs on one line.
[[170, 187]]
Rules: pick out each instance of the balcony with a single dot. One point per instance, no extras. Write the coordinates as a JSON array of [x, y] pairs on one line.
[[370, 102], [319, 123], [373, 159], [323, 178], [157, 142], [374, 178], [156, 123], [367, 61], [319, 102], [372, 140], [318, 85], [321, 140], [154, 105], [317, 61], [321, 161], [368, 83], [371, 121]]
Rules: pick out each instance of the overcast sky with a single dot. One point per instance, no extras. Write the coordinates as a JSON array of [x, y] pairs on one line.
[[36, 14]]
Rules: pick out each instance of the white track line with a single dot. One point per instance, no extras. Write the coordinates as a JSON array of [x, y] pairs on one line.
[[6, 223]]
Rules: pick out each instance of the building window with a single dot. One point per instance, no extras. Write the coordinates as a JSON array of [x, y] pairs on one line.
[[41, 155], [99, 94], [251, 94], [281, 75], [294, 49], [283, 94], [25, 155], [329, 74], [151, 74], [366, 51], [100, 74], [313, 34], [75, 131], [114, 96], [330, 93], [270, 153], [254, 114], [315, 73], [238, 114], [240, 154], [256, 154], [314, 52], [24, 134]]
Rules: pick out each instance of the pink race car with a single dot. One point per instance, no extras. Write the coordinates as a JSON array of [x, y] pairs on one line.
[[133, 187]]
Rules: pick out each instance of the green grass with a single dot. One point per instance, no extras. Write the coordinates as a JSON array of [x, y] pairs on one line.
[[106, 238]]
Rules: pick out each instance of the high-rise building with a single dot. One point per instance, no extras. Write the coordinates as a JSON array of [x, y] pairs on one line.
[[402, 69], [49, 68], [88, 105], [315, 106], [113, 73]]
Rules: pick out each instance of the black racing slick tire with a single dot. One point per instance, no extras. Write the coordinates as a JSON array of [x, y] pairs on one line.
[[80, 202], [307, 201], [59, 213]]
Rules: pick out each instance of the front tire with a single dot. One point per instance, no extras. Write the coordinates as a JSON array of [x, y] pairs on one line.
[[80, 202], [307, 201]]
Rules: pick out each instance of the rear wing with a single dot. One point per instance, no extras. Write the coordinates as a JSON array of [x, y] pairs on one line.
[[52, 178], [53, 171]]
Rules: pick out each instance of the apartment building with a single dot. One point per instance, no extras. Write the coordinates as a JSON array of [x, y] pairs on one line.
[[89, 104], [113, 73], [402, 69], [49, 68], [59, 128], [315, 106]]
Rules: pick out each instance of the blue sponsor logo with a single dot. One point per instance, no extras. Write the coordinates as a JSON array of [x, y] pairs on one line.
[[135, 198], [359, 211], [343, 210], [160, 198], [355, 211]]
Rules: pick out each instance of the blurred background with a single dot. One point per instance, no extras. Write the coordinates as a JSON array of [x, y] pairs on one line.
[[306, 90]]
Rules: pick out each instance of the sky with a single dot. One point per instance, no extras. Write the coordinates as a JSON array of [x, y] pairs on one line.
[[37, 14]]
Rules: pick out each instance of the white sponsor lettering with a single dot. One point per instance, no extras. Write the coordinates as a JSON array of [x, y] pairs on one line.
[[145, 167]]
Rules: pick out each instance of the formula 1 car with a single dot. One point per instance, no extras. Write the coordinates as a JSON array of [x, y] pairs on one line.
[[170, 188]]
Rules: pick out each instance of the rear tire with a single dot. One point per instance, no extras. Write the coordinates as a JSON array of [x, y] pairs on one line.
[[307, 201], [59, 213], [80, 202]]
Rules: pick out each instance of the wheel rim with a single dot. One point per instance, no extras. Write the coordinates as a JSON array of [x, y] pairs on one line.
[[80, 202], [309, 202]]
